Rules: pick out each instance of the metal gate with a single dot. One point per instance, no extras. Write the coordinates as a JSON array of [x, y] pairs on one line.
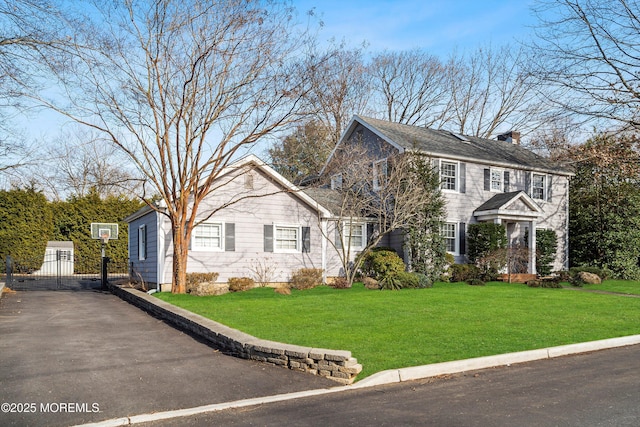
[[60, 270]]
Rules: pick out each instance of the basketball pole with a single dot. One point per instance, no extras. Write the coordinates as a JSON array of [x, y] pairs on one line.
[[103, 264]]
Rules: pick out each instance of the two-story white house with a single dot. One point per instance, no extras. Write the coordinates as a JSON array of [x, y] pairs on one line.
[[481, 180], [269, 223]]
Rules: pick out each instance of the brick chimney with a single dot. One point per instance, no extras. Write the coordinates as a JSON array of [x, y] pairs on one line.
[[512, 136]]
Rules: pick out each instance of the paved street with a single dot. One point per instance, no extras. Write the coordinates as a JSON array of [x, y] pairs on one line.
[[64, 355], [94, 351], [597, 389]]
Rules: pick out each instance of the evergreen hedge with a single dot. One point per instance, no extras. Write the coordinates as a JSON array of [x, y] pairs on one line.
[[26, 224]]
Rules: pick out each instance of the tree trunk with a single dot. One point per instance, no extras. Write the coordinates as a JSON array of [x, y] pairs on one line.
[[180, 257]]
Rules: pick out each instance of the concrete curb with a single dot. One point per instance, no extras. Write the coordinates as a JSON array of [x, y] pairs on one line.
[[158, 416], [388, 377], [420, 372]]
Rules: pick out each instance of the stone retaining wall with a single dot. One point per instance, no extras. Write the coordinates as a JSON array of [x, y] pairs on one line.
[[337, 365]]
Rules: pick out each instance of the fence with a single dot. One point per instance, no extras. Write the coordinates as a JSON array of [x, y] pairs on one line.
[[59, 270]]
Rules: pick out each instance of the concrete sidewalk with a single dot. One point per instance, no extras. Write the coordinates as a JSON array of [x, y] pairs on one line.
[[72, 353]]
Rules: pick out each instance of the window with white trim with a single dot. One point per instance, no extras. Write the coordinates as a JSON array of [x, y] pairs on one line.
[[206, 237], [379, 174], [449, 175], [539, 186], [449, 233], [287, 239], [496, 180], [142, 242], [354, 234]]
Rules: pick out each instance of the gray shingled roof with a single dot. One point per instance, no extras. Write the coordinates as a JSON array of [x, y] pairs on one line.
[[326, 197], [444, 143], [497, 201]]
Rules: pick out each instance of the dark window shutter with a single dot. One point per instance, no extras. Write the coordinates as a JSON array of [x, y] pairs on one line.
[[527, 183], [549, 188], [268, 238], [369, 231], [463, 178], [506, 181], [487, 180], [306, 239], [462, 231], [229, 237]]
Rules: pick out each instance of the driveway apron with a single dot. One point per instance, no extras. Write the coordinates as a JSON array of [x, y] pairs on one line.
[[76, 357]]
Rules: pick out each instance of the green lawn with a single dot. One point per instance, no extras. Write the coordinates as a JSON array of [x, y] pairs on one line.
[[393, 329], [622, 286]]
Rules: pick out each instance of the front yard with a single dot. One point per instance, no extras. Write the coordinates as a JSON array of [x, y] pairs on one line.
[[394, 329]]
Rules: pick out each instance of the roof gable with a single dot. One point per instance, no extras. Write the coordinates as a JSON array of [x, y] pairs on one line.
[[440, 143], [248, 162], [508, 205]]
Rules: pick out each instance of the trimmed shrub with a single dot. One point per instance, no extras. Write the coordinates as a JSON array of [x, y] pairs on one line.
[[483, 238], [382, 263], [475, 282], [239, 284], [194, 279], [306, 278], [408, 280], [340, 283], [26, 224], [423, 281], [546, 248], [463, 272], [450, 259], [553, 282]]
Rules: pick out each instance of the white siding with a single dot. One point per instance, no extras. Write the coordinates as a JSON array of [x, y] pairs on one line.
[[146, 269], [267, 204], [460, 206]]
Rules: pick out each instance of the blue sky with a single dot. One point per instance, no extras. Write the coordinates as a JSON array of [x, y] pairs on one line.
[[438, 26]]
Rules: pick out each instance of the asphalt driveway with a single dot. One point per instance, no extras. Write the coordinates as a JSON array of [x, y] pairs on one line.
[[75, 357]]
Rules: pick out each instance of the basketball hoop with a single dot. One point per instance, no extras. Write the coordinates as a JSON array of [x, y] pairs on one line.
[[104, 236]]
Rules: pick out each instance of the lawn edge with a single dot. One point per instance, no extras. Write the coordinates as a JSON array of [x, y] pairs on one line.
[[391, 376]]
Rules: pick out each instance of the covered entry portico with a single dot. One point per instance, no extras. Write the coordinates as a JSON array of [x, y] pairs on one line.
[[517, 211]]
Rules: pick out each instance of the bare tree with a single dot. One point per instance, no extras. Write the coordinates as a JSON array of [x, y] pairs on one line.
[[340, 88], [183, 88], [555, 138], [489, 89], [587, 51], [410, 86], [79, 162], [374, 195], [28, 29]]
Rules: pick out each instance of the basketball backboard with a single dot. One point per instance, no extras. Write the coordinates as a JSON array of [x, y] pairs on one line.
[[100, 230]]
